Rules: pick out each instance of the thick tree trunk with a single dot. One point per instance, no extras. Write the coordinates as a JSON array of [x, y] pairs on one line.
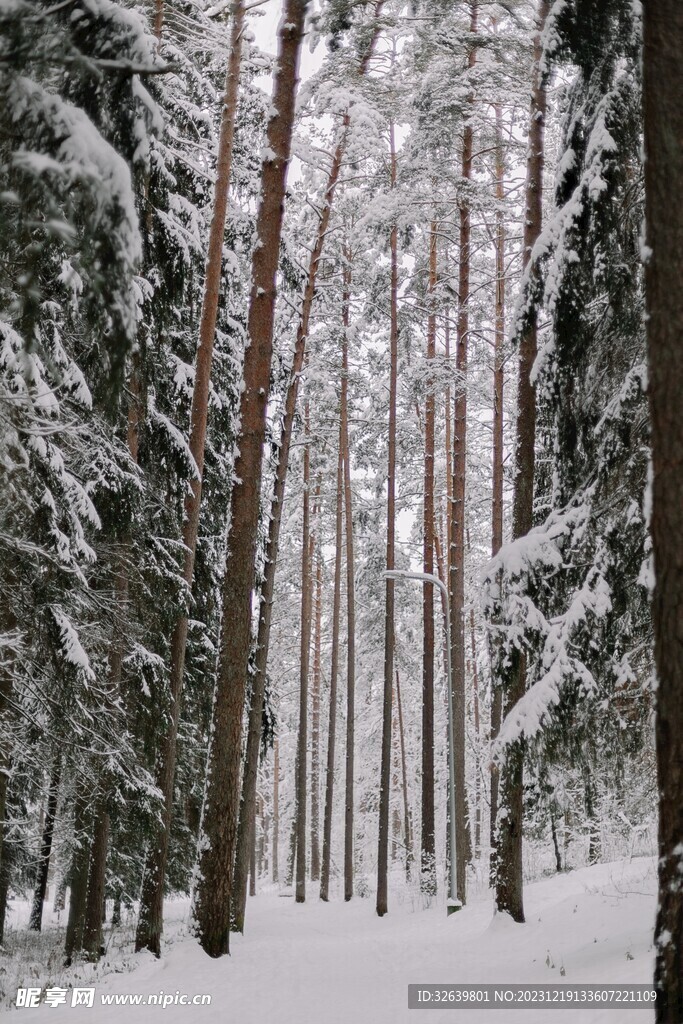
[[385, 765], [350, 595], [221, 804], [277, 505], [498, 423], [508, 840], [408, 839], [78, 880], [97, 876], [315, 713], [302, 756], [36, 919], [663, 87], [150, 920], [457, 538], [334, 673], [428, 853]]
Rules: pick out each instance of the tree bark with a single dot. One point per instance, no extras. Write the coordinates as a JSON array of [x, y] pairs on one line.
[[508, 843], [404, 781], [150, 920], [277, 504], [457, 538], [350, 594], [334, 672], [315, 712], [222, 794], [275, 810], [78, 880], [498, 423], [385, 765], [663, 85], [302, 756], [36, 920], [427, 861]]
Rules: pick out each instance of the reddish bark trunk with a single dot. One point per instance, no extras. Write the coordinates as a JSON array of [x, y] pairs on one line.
[[222, 794]]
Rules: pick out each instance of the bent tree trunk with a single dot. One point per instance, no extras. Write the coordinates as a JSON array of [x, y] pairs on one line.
[[663, 87], [150, 921], [221, 803]]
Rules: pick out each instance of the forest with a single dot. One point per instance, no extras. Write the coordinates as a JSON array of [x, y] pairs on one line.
[[341, 494]]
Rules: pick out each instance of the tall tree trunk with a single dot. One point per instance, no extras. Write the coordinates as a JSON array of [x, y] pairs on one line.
[[428, 862], [276, 810], [457, 538], [36, 919], [508, 844], [315, 712], [477, 730], [221, 803], [498, 423], [350, 593], [385, 766], [663, 86], [408, 839], [302, 756], [277, 505], [150, 919], [334, 673]]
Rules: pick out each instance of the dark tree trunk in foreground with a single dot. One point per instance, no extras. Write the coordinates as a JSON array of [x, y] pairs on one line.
[[78, 880], [427, 860], [150, 920], [508, 844], [385, 765], [457, 537], [221, 805], [36, 920], [663, 88]]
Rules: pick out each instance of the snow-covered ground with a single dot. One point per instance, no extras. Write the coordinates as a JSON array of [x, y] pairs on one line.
[[338, 963]]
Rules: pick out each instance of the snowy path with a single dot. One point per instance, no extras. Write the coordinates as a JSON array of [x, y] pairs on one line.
[[339, 964]]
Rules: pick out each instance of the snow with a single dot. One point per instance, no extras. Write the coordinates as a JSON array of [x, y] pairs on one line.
[[340, 963]]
